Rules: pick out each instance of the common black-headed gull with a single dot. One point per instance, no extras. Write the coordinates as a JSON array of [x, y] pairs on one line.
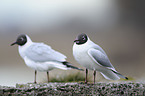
[[40, 56], [93, 57]]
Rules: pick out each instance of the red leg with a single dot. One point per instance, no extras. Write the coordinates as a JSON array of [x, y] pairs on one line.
[[48, 76], [35, 77], [86, 79], [94, 76]]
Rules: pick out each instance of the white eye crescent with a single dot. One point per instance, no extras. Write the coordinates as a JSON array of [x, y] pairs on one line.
[[83, 38], [22, 39]]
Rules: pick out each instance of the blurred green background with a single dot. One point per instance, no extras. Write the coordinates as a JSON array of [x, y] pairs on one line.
[[116, 25]]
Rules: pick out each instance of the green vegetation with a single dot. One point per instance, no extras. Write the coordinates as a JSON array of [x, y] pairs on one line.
[[76, 77]]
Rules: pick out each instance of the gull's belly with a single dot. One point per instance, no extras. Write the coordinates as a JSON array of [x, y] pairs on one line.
[[85, 60], [39, 66]]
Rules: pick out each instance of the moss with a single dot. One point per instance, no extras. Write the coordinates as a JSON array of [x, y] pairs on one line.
[[69, 78]]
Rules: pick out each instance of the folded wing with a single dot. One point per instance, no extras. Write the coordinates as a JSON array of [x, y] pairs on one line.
[[41, 52], [100, 57]]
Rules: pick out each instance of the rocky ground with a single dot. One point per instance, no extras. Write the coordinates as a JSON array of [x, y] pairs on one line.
[[74, 89]]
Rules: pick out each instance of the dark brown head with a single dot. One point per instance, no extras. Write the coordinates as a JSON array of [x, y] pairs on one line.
[[81, 39], [21, 40]]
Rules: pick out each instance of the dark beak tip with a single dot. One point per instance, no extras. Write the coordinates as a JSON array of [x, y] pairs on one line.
[[75, 40], [13, 43]]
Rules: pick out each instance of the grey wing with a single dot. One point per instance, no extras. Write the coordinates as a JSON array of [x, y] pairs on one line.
[[99, 57], [40, 52]]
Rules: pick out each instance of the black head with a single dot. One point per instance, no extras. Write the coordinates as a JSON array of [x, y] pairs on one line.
[[21, 40], [81, 39]]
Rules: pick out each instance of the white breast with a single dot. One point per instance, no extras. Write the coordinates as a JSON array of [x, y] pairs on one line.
[[80, 53]]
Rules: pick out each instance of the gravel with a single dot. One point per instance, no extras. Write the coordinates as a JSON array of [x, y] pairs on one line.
[[74, 89]]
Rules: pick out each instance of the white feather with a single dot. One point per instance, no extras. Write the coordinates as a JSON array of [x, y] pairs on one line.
[[80, 53], [38, 59]]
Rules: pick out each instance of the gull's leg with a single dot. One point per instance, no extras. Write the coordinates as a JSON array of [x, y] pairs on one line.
[[94, 76], [86, 79], [48, 76], [35, 77]]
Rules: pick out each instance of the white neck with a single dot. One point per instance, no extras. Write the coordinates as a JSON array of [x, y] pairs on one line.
[[25, 46]]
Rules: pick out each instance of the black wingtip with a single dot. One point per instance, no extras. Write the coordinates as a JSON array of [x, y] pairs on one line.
[[126, 78], [70, 66], [120, 75], [80, 69]]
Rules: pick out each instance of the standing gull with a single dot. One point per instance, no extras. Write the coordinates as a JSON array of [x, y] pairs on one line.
[[93, 57], [40, 56]]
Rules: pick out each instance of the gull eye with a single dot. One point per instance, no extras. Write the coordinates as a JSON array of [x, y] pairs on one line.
[[20, 39], [83, 38]]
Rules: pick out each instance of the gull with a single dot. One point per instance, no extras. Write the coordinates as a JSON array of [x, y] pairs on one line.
[[93, 57], [40, 56]]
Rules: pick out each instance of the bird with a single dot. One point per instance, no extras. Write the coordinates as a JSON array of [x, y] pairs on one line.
[[93, 57], [40, 56]]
